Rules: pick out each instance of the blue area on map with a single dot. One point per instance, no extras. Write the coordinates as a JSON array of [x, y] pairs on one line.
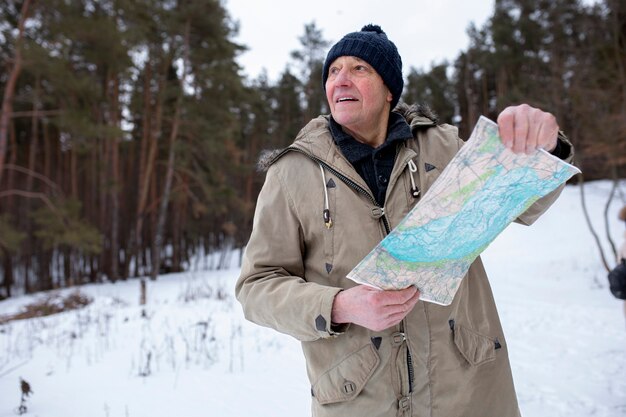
[[477, 224]]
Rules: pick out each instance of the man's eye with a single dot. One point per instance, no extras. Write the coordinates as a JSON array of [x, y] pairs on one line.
[[333, 70]]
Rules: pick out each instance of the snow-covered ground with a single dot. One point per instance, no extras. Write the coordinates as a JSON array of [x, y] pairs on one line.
[[193, 354]]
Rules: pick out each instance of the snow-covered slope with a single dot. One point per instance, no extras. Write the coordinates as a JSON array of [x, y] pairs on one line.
[[191, 353]]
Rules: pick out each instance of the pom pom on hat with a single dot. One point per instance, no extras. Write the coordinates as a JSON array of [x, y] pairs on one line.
[[371, 45], [372, 28]]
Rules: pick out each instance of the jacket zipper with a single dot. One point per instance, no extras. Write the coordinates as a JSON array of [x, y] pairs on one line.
[[349, 182], [409, 363], [409, 358]]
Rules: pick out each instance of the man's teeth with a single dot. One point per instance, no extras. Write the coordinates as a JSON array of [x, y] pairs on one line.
[[345, 99]]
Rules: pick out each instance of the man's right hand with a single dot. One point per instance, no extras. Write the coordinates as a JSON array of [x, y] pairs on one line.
[[372, 308]]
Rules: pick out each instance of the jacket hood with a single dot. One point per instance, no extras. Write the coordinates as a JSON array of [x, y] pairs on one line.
[[416, 115]]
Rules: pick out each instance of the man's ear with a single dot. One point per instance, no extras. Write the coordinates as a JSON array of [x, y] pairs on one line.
[[389, 96]]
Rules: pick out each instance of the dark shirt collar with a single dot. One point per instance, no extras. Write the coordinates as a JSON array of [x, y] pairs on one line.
[[398, 130]]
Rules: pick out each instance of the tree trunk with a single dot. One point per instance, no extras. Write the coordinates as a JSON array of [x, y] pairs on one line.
[[105, 266], [115, 189], [91, 205], [469, 93], [12, 161], [134, 239], [34, 140], [7, 281], [47, 152], [152, 128], [9, 89], [167, 188], [169, 174], [68, 277], [26, 221]]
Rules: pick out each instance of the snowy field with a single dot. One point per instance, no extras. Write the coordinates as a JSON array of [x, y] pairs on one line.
[[192, 354]]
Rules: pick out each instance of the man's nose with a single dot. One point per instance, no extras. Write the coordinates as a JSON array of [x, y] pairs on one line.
[[343, 77]]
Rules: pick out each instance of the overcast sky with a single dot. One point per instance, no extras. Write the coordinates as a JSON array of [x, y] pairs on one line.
[[424, 31]]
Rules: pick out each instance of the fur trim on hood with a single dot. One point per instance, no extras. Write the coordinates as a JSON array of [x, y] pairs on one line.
[[267, 158], [413, 111]]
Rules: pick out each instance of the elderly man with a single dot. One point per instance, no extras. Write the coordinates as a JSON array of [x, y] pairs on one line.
[[328, 199]]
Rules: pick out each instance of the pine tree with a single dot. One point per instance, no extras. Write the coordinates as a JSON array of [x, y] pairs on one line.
[[432, 88], [310, 59]]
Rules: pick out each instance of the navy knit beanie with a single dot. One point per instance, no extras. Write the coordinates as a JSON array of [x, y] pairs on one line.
[[371, 45]]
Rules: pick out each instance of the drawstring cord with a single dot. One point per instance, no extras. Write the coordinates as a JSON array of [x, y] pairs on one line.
[[415, 192], [326, 213], [328, 221]]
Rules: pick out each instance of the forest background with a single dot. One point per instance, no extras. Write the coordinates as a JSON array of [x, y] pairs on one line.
[[129, 136]]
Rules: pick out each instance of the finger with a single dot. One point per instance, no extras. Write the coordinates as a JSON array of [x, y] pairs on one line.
[[532, 138], [414, 299], [404, 308], [505, 127], [520, 129], [399, 296], [548, 133]]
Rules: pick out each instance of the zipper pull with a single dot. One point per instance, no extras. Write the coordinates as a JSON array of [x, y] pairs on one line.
[[326, 213], [327, 220]]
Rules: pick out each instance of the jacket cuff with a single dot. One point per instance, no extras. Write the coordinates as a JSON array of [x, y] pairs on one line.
[[325, 327], [563, 149]]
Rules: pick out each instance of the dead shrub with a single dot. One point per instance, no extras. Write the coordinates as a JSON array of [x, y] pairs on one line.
[[50, 304]]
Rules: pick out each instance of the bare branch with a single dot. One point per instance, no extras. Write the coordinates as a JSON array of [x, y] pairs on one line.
[[590, 225], [34, 174], [29, 113], [30, 194]]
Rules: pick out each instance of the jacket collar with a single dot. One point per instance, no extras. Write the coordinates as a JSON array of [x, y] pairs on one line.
[[398, 131], [316, 139]]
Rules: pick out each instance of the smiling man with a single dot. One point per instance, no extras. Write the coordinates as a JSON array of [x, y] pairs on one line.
[[328, 199]]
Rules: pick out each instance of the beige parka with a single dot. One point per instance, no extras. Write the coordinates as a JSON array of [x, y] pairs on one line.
[[441, 361]]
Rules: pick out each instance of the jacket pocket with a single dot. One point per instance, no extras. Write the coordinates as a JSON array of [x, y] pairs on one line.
[[346, 380], [474, 347]]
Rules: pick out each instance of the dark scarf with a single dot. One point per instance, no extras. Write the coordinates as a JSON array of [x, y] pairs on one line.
[[374, 165]]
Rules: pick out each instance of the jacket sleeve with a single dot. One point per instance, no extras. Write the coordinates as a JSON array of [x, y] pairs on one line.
[[271, 288], [540, 206]]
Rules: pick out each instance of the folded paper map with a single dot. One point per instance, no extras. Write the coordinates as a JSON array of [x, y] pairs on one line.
[[484, 188]]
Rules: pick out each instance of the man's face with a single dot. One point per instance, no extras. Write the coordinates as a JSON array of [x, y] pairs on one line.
[[358, 98]]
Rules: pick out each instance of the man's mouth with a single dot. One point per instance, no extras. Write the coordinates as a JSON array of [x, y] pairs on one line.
[[344, 99]]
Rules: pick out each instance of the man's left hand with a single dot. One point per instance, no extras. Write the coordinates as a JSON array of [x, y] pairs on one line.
[[524, 129]]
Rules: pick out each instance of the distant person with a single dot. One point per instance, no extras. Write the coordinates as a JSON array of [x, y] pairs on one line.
[[328, 199]]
